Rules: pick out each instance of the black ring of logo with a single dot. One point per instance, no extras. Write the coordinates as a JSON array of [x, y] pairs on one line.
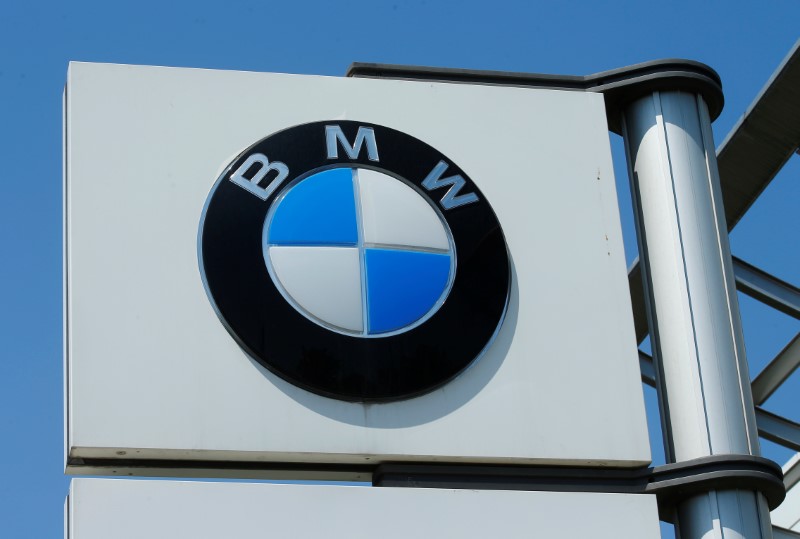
[[310, 356]]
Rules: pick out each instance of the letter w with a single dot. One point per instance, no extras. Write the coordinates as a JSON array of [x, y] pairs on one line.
[[451, 198]]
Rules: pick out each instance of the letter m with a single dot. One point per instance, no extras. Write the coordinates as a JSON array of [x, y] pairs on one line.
[[334, 134]]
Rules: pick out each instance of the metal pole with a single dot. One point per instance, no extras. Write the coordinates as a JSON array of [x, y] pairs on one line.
[[701, 369]]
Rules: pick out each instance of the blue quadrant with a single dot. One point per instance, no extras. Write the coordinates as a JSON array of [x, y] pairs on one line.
[[319, 210], [402, 286]]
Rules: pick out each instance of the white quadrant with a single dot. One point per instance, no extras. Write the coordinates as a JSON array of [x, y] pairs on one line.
[[393, 213], [323, 281]]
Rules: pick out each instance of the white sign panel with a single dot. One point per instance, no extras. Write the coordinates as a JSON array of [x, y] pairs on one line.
[[123, 509], [267, 268]]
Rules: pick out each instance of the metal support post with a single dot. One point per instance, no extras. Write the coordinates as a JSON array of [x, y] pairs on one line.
[[701, 369]]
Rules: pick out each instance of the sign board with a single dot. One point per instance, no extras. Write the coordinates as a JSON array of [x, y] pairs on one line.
[[266, 268], [119, 508]]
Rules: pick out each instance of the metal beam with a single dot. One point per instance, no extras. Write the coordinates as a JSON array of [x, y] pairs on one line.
[[638, 304], [763, 139], [771, 426], [778, 370], [647, 369], [778, 429], [764, 287]]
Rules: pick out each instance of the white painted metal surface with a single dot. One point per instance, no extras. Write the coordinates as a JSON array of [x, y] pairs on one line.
[[152, 373], [130, 509], [701, 368]]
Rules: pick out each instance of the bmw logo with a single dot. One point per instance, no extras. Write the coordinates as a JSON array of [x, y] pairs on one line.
[[354, 261]]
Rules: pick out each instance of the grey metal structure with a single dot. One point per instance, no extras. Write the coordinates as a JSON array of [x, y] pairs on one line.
[[748, 159], [696, 289], [701, 369]]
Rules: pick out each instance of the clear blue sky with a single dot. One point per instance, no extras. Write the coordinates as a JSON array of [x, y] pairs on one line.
[[743, 41]]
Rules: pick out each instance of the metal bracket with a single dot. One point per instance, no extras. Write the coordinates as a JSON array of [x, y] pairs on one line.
[[671, 483], [618, 86]]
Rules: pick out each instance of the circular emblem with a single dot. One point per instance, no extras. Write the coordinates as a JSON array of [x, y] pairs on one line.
[[359, 252], [354, 261]]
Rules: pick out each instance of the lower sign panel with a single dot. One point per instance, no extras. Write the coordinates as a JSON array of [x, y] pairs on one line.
[[129, 509]]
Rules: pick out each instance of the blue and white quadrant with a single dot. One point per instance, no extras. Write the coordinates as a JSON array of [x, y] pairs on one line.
[[359, 252]]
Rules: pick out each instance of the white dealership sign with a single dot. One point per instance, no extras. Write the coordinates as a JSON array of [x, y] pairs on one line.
[[278, 269]]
